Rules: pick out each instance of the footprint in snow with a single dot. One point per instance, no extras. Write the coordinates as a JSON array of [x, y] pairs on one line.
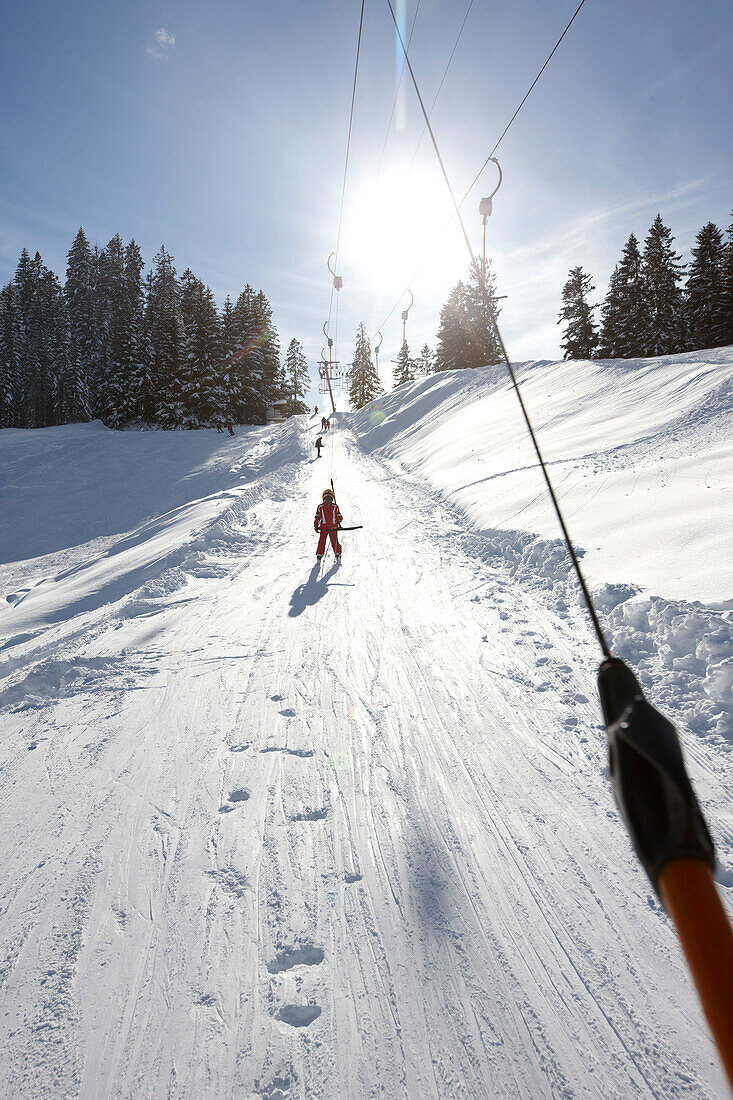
[[299, 1015], [234, 798], [239, 748], [280, 1088], [352, 876], [306, 955], [310, 815], [276, 698], [288, 712], [302, 753]]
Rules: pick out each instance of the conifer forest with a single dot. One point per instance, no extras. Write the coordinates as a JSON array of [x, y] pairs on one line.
[[114, 345]]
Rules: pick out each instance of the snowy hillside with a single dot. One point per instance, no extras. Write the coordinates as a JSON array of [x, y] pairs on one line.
[[274, 830]]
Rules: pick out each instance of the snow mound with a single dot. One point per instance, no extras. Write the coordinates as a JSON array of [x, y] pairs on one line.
[[641, 454]]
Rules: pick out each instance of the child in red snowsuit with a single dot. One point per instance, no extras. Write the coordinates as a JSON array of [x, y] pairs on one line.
[[328, 518]]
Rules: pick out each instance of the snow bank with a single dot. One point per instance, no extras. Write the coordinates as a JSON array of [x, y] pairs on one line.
[[641, 453], [103, 516]]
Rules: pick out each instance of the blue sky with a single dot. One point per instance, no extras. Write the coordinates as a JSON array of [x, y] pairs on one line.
[[219, 129]]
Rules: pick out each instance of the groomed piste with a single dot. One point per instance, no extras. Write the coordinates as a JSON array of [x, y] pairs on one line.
[[276, 830]]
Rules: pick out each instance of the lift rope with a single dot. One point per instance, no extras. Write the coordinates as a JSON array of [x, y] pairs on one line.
[[650, 783], [503, 134], [493, 321], [346, 162], [506, 129]]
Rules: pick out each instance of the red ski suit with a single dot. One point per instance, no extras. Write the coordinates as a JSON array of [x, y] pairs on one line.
[[328, 517]]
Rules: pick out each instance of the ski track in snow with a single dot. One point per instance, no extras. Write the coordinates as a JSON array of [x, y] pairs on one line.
[[280, 831]]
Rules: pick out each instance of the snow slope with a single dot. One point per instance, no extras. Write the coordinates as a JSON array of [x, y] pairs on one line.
[[641, 454], [274, 831]]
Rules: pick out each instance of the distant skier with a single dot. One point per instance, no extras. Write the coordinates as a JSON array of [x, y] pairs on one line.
[[219, 428], [323, 423], [319, 444], [328, 425], [328, 519], [316, 412], [230, 429]]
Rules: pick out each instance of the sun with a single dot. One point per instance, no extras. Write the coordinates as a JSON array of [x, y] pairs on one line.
[[397, 221]]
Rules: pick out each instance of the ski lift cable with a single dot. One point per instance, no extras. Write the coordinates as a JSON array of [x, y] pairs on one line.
[[540, 458], [348, 149], [503, 134], [506, 129], [442, 80], [653, 791], [397, 92]]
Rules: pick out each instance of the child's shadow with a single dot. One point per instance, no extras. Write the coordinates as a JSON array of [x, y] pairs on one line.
[[308, 594]]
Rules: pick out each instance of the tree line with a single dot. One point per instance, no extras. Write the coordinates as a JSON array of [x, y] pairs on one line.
[[463, 340], [654, 305], [123, 348], [647, 311]]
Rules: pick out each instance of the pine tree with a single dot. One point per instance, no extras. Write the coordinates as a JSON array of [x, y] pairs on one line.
[[228, 354], [449, 354], [664, 305], [245, 363], [705, 290], [363, 380], [622, 328], [727, 279], [166, 337], [84, 316], [727, 291], [41, 342], [580, 336], [296, 378], [10, 389], [269, 344], [132, 354], [204, 394], [466, 336], [426, 363], [405, 366]]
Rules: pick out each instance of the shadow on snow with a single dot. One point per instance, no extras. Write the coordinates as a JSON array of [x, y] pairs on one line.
[[308, 594]]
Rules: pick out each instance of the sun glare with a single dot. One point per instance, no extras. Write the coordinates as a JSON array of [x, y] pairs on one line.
[[396, 222]]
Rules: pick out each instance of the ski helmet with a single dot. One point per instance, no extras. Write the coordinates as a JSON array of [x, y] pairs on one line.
[[327, 494]]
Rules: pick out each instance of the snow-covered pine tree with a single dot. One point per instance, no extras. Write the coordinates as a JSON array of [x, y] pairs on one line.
[[45, 345], [405, 366], [71, 396], [10, 389], [166, 336], [727, 280], [269, 345], [112, 321], [450, 350], [297, 379], [84, 317], [204, 395], [483, 345], [245, 365], [580, 336], [363, 380], [665, 330], [622, 326], [466, 337], [425, 365], [133, 357], [228, 353], [705, 290]]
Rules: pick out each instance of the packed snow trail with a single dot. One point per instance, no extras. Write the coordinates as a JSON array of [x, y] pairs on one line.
[[289, 831]]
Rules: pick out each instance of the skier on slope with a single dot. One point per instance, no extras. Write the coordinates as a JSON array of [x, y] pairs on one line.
[[323, 423], [328, 520], [319, 444]]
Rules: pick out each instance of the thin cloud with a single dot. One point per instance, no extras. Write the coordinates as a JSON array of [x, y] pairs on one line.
[[162, 48]]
